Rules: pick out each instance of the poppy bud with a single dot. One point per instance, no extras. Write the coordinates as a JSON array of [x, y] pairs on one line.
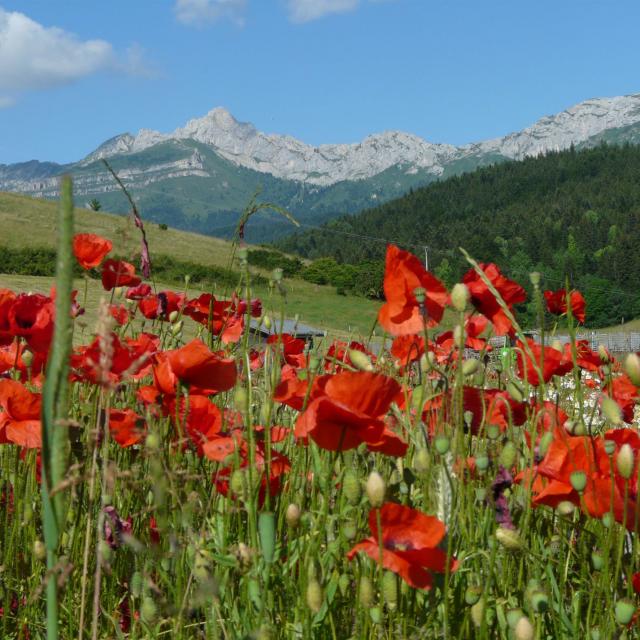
[[604, 355], [539, 601], [624, 611], [472, 595], [39, 550], [360, 360], [565, 508], [508, 455], [482, 462], [351, 487], [173, 316], [292, 515], [460, 296], [375, 615], [148, 610], [545, 441], [524, 629], [469, 367], [624, 461], [177, 328], [557, 345], [237, 482], [595, 633], [611, 410], [481, 494], [277, 274], [493, 431], [458, 334], [266, 321], [152, 441], [365, 592], [515, 391], [344, 582], [578, 480], [240, 397], [375, 489], [349, 530], [135, 586], [442, 444], [508, 538], [314, 596], [477, 613], [513, 615], [607, 520], [631, 366], [597, 560], [421, 461], [390, 590], [27, 358]]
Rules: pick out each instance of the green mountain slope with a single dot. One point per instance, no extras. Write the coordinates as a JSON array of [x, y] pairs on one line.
[[573, 214]]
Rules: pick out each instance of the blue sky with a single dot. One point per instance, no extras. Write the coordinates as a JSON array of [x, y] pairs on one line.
[[76, 72]]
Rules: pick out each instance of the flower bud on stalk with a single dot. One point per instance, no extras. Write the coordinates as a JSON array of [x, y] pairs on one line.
[[477, 613], [314, 596], [509, 538], [624, 611], [365, 592], [375, 489], [360, 360], [524, 629], [578, 480], [611, 410], [460, 296], [292, 515], [351, 487], [631, 367], [624, 461], [390, 590]]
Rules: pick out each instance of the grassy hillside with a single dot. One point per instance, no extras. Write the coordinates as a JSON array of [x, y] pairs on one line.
[[570, 215], [27, 222]]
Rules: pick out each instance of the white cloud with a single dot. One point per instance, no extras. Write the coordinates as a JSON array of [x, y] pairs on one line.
[[36, 57], [197, 13], [307, 10]]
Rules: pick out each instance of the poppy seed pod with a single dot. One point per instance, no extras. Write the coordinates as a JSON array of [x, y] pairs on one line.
[[360, 360], [314, 596], [351, 487], [482, 462], [524, 629], [460, 296], [624, 611], [472, 595], [624, 461], [419, 294], [375, 489], [611, 410], [442, 444], [534, 278], [578, 480], [509, 538], [292, 515], [631, 367]]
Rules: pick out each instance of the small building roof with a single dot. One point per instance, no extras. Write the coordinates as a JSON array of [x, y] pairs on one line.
[[292, 327]]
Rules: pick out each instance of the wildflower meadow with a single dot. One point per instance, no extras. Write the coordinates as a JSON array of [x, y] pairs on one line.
[[178, 475]]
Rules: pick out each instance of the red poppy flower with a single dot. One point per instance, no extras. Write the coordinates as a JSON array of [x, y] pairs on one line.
[[199, 418], [219, 316], [557, 303], [20, 419], [485, 302], [119, 313], [625, 393], [407, 349], [585, 358], [90, 249], [291, 390], [410, 542], [292, 349], [31, 317], [401, 314], [548, 360], [118, 273], [138, 292], [161, 305], [7, 298], [474, 326], [347, 409], [126, 426], [11, 358]]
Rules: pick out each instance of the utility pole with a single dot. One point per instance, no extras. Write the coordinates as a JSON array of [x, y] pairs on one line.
[[426, 258]]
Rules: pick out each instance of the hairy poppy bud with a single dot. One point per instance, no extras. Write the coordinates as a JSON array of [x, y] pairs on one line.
[[351, 487], [27, 358], [390, 589], [482, 462], [477, 613], [624, 461], [631, 367], [469, 367], [508, 538], [513, 615], [472, 595], [360, 360], [266, 321], [314, 596], [545, 441], [152, 441], [578, 480], [135, 585], [557, 345], [292, 515], [508, 455], [39, 550], [344, 582], [539, 601], [597, 561], [365, 592], [524, 629], [375, 489], [611, 410], [460, 296], [565, 508], [515, 391], [421, 461], [277, 274], [349, 529], [624, 611], [603, 353], [148, 610], [176, 328], [174, 315]]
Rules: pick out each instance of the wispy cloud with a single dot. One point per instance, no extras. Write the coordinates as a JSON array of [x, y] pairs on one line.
[[35, 57], [198, 13], [308, 10]]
